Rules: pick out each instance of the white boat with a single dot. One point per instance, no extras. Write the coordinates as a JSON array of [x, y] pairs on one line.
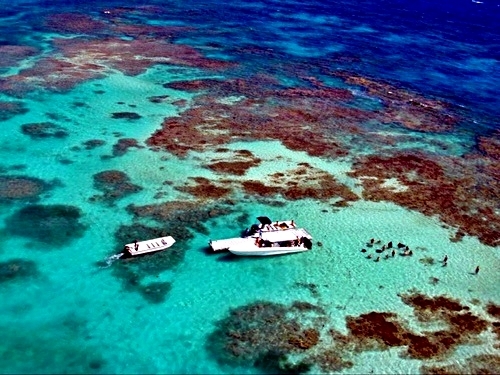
[[267, 238], [148, 246]]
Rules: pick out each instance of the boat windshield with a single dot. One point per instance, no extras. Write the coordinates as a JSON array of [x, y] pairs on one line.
[[264, 220]]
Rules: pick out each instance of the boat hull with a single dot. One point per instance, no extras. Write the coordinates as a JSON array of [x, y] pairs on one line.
[[149, 246], [268, 238], [267, 251]]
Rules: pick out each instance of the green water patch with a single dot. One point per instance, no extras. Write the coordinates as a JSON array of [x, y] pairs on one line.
[[58, 347], [52, 225], [17, 269]]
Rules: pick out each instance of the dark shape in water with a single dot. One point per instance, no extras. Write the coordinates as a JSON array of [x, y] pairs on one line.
[[42, 130], [126, 115], [493, 310], [151, 264], [54, 225], [11, 109], [204, 188], [477, 364], [74, 23], [131, 272], [21, 188], [427, 261], [114, 184], [276, 362], [155, 292], [17, 269], [50, 350], [158, 99], [120, 148], [93, 143], [264, 334]]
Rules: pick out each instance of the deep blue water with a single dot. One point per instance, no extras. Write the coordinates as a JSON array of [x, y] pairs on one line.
[[450, 49]]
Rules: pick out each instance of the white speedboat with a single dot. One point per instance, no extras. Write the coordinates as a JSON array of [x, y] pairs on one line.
[[148, 246], [267, 238]]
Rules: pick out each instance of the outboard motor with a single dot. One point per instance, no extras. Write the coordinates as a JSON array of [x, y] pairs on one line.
[[307, 242], [253, 229]]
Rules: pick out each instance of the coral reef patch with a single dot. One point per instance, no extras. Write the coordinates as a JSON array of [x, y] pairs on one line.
[[203, 189], [14, 54], [54, 347], [15, 269], [11, 109], [114, 185], [407, 109], [236, 163], [177, 219], [44, 130], [301, 334], [93, 143], [261, 332], [122, 146], [435, 186], [477, 364], [51, 225], [126, 115], [21, 188]]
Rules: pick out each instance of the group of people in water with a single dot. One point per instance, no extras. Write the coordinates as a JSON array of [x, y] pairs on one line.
[[406, 251]]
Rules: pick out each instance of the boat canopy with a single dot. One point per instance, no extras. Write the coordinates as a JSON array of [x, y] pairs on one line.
[[264, 220]]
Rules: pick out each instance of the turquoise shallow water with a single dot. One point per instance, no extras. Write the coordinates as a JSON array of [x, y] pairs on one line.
[[68, 306]]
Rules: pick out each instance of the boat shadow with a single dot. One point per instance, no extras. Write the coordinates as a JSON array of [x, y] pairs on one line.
[[228, 257], [222, 256]]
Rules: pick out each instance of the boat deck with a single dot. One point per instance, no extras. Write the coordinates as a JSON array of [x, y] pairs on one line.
[[150, 246], [227, 243], [274, 236]]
